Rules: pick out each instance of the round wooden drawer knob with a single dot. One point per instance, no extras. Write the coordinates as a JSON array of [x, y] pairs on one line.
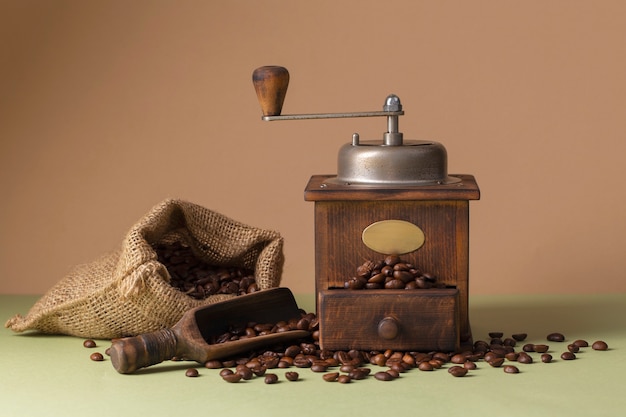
[[388, 328]]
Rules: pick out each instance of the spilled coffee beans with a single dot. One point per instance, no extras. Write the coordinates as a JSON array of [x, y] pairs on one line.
[[391, 273]]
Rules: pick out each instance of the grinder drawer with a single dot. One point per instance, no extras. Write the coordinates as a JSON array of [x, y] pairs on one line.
[[405, 320]]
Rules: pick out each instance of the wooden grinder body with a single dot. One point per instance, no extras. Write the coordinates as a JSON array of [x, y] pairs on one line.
[[421, 320]]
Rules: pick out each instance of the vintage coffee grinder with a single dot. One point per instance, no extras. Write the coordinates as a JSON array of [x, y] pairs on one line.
[[389, 197]]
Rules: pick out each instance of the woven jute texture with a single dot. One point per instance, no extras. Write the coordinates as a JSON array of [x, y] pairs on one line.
[[127, 292]]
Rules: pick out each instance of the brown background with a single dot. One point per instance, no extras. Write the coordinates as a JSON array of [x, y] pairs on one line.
[[108, 107]]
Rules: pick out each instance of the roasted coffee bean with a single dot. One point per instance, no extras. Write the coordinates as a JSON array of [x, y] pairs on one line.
[[600, 345], [394, 374], [469, 365], [391, 260], [270, 378], [580, 343], [213, 364], [510, 369], [383, 376], [96, 356], [546, 358], [89, 343], [496, 362], [511, 356], [540, 348], [344, 379], [573, 348], [359, 373], [261, 371], [524, 357], [520, 337], [292, 376], [568, 356], [232, 377], [459, 358], [319, 367], [457, 371], [347, 368], [425, 366], [528, 347], [191, 372], [509, 342], [245, 372], [495, 335], [555, 337], [330, 377]]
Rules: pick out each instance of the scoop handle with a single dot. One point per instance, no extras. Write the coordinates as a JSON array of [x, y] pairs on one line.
[[270, 83], [131, 353]]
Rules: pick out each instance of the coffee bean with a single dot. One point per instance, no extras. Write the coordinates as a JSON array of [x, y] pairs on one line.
[[519, 336], [226, 371], [459, 358], [509, 342], [213, 364], [496, 362], [191, 372], [529, 347], [546, 358], [383, 376], [89, 343], [319, 367], [457, 371], [512, 356], [510, 369], [425, 366], [260, 371], [245, 372], [469, 365], [600, 345], [573, 348], [232, 377], [524, 357], [556, 337], [330, 377], [270, 378], [496, 335], [344, 379], [580, 343], [394, 374], [292, 376], [359, 373], [96, 356], [568, 356], [540, 348]]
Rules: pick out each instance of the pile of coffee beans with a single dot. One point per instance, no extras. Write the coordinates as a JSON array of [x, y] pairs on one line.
[[354, 365], [391, 273], [253, 329], [199, 279]]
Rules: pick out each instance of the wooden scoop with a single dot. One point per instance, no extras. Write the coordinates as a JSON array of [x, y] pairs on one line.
[[189, 337]]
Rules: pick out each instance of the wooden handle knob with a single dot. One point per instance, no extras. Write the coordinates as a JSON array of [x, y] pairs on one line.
[[132, 353], [388, 328], [270, 83]]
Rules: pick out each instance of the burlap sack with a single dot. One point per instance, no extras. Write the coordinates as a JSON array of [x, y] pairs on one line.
[[127, 292]]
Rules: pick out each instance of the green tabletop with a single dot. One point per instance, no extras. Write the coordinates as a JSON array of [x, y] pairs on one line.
[[42, 375]]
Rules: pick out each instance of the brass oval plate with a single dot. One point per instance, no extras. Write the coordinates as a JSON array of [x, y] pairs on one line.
[[393, 237]]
